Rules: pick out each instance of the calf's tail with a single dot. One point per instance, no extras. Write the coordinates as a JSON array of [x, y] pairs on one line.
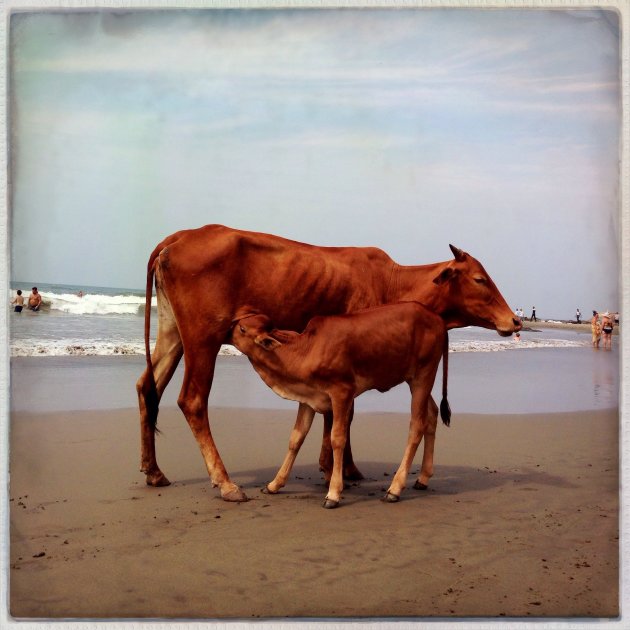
[[445, 408]]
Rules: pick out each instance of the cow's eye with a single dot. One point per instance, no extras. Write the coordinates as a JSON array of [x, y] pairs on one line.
[[242, 329], [480, 280]]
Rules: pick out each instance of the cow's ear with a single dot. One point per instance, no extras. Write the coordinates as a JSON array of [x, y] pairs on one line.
[[444, 276], [267, 342], [458, 253]]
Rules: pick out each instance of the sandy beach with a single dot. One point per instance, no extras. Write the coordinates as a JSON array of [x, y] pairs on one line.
[[521, 519]]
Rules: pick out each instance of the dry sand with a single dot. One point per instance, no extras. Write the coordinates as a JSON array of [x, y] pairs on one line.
[[521, 520]]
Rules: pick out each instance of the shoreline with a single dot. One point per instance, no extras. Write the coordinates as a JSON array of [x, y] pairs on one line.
[[513, 524], [582, 327]]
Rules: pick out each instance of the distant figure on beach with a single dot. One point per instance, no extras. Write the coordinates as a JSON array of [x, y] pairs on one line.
[[34, 300], [80, 294], [607, 328], [18, 300], [578, 315], [517, 336], [533, 317], [596, 329]]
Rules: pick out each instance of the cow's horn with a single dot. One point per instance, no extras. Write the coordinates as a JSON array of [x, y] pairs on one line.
[[458, 253]]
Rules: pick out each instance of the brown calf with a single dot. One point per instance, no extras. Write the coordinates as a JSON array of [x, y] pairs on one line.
[[339, 357]]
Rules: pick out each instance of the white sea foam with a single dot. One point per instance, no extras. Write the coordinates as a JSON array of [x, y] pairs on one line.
[[511, 344], [91, 347]]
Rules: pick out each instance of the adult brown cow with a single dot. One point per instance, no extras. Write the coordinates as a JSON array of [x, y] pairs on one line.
[[202, 276], [339, 357]]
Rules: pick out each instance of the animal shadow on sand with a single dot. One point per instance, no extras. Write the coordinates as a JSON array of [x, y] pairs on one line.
[[447, 481]]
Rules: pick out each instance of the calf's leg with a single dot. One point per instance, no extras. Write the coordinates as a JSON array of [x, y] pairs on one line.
[[420, 394], [341, 404], [426, 470], [350, 471], [300, 430]]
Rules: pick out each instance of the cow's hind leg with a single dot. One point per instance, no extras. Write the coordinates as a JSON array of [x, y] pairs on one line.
[[300, 430], [426, 470], [350, 471], [193, 401], [165, 358]]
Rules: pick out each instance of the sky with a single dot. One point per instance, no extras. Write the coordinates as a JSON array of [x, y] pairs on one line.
[[406, 129]]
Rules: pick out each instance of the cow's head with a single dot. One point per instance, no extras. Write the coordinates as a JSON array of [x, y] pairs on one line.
[[469, 297], [250, 329]]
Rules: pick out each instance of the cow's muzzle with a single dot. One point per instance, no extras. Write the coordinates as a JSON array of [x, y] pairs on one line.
[[507, 332]]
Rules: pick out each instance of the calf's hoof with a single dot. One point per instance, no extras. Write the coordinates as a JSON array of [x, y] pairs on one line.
[[420, 486], [390, 497], [267, 490], [329, 504], [157, 480], [235, 496]]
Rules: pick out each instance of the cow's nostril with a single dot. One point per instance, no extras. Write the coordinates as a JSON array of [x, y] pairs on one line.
[[517, 322]]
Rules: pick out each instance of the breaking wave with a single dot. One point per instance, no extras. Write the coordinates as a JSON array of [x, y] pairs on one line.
[[94, 303]]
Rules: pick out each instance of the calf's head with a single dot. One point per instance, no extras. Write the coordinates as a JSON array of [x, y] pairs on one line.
[[469, 297], [251, 330]]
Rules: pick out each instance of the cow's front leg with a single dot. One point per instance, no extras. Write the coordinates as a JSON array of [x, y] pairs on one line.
[[193, 401], [341, 404], [426, 470], [300, 430]]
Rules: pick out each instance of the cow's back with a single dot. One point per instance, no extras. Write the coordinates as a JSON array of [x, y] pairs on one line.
[[214, 270]]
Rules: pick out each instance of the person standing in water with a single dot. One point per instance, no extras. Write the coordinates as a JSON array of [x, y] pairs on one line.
[[34, 300], [607, 328], [596, 330], [18, 300]]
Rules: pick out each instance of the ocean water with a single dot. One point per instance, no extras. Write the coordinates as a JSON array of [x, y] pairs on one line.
[[110, 321], [92, 351]]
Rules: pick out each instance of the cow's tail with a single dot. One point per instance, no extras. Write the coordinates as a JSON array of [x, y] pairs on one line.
[[149, 389], [445, 408]]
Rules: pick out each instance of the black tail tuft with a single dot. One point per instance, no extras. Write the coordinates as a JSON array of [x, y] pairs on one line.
[[445, 412]]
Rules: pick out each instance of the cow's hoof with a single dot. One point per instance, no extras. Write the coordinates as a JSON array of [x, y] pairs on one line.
[[329, 504], [157, 480], [235, 496], [267, 490], [420, 486], [390, 497]]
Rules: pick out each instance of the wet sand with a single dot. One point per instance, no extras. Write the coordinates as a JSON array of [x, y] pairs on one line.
[[521, 519]]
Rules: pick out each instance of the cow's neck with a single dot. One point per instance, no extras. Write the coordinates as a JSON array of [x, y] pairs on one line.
[[416, 283]]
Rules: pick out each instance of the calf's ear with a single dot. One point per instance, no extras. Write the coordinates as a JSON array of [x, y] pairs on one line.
[[243, 312], [267, 342]]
